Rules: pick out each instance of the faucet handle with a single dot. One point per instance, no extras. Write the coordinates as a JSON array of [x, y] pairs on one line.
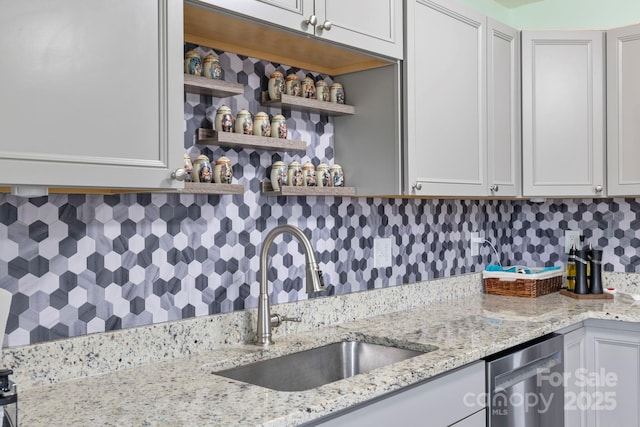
[[276, 319]]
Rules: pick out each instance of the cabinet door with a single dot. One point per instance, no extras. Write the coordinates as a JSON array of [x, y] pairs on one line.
[[613, 360], [503, 109], [445, 100], [292, 14], [575, 363], [372, 25], [97, 97], [623, 104], [563, 113]]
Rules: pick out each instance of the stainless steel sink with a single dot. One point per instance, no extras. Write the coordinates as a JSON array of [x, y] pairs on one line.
[[323, 365]]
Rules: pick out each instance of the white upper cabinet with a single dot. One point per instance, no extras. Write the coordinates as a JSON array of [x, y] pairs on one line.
[[94, 97], [503, 109], [563, 113], [623, 105], [462, 102], [371, 25]]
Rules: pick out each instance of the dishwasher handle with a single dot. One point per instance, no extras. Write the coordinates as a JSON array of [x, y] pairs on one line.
[[523, 373]]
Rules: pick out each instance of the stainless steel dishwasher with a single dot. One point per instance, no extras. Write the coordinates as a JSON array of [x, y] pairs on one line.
[[525, 386]]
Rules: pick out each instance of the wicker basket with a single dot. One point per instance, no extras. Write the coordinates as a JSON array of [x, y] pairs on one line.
[[522, 285]]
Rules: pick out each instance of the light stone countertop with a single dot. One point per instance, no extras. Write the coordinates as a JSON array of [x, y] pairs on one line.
[[167, 389]]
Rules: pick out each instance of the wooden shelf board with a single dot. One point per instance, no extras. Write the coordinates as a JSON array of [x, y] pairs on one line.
[[236, 140], [211, 87], [220, 30], [299, 103], [267, 190], [211, 188]]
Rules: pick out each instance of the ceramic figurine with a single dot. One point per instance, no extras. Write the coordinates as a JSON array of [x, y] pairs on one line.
[[278, 175], [292, 85], [222, 171], [244, 122], [261, 125], [309, 174], [211, 67], [294, 174], [323, 176], [336, 93], [279, 127], [224, 119], [193, 63], [322, 91], [337, 176], [276, 85], [308, 88]]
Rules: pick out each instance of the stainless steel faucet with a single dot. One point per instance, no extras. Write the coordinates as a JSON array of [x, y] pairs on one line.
[[314, 281]]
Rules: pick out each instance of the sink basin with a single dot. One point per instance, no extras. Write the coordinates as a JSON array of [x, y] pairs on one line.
[[323, 365]]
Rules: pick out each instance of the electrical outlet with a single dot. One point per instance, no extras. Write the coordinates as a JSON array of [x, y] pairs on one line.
[[571, 238], [381, 252], [474, 243]]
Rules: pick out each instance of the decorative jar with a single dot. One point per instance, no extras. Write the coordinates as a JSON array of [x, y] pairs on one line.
[[309, 174], [278, 175], [322, 91], [211, 67], [193, 63], [202, 169], [276, 85], [309, 88], [294, 174], [337, 176], [323, 176], [292, 85], [222, 171], [336, 93], [261, 124], [244, 122], [279, 127], [224, 119]]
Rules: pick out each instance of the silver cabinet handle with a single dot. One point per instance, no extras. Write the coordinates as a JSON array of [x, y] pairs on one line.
[[599, 188], [494, 188], [326, 26], [312, 20], [417, 186], [179, 174]]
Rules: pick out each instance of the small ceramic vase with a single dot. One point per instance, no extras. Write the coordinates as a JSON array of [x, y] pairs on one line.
[[224, 119], [193, 63], [323, 175], [188, 168], [202, 169], [309, 174], [276, 85], [222, 171], [292, 85], [244, 122], [294, 174], [322, 91], [261, 124], [278, 175], [337, 176], [336, 93], [279, 127], [211, 67], [308, 88]]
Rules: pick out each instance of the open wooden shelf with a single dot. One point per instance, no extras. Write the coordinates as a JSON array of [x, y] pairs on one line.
[[211, 87], [238, 140], [299, 103], [211, 188], [286, 190]]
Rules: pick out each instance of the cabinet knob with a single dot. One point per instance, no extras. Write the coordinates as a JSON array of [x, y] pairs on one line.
[[417, 186], [179, 174], [599, 188], [494, 188], [312, 20], [326, 26]]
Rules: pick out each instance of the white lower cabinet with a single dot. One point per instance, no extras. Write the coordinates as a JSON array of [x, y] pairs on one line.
[[602, 375], [452, 399]]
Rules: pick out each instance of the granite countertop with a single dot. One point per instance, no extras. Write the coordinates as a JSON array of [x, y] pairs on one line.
[[184, 392]]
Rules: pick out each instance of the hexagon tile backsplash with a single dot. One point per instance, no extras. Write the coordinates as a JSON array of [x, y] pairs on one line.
[[78, 264]]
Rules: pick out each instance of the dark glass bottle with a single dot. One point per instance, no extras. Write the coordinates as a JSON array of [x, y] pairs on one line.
[[595, 286], [582, 286], [571, 269]]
